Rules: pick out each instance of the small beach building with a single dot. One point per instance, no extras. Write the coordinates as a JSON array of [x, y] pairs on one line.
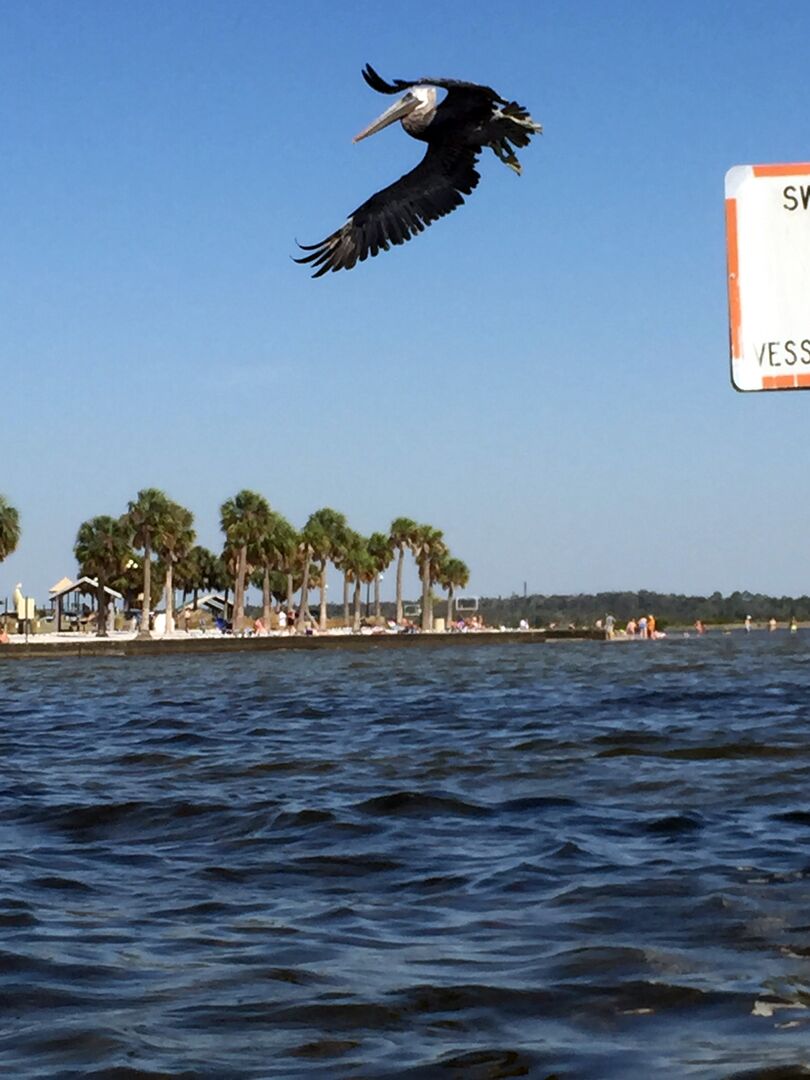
[[214, 603], [70, 612]]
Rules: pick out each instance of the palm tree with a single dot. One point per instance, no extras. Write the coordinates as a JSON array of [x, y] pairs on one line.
[[319, 540], [329, 534], [358, 566], [243, 519], [210, 571], [172, 541], [452, 574], [9, 529], [103, 549], [428, 549], [224, 573], [290, 565], [186, 574], [401, 536], [273, 550], [146, 516], [196, 572], [351, 540], [379, 548]]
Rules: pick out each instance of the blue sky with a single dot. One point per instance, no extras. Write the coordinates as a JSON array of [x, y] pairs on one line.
[[543, 374]]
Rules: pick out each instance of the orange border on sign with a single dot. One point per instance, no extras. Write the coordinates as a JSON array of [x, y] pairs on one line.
[[786, 382], [732, 254], [802, 169]]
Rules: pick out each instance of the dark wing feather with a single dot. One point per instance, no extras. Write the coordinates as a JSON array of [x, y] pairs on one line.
[[434, 188], [454, 87]]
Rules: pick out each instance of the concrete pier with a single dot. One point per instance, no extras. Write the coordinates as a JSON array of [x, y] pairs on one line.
[[80, 645]]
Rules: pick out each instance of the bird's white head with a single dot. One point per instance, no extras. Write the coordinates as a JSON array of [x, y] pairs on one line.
[[415, 109]]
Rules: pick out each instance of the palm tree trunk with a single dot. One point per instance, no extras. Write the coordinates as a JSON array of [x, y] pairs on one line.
[[322, 613], [358, 603], [289, 592], [239, 590], [346, 619], [102, 610], [427, 612], [449, 606], [303, 607], [400, 561], [376, 596], [169, 596], [146, 605], [266, 598]]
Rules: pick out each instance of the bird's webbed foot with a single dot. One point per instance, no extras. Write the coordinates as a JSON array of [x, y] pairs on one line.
[[504, 152]]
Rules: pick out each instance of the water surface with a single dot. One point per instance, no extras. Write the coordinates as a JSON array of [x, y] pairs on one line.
[[579, 860]]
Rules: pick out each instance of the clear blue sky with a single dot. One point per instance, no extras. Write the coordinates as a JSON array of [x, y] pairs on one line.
[[543, 374]]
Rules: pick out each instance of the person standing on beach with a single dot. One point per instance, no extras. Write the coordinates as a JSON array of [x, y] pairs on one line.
[[650, 626], [642, 626], [748, 624], [610, 624]]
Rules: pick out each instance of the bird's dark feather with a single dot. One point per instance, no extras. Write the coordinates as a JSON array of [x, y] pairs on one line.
[[455, 86], [434, 188]]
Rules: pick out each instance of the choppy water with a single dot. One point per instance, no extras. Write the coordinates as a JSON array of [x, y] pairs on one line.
[[574, 860]]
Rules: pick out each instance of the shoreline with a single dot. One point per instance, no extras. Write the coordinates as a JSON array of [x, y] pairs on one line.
[[129, 646]]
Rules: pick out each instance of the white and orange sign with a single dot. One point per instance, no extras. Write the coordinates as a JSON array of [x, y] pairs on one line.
[[768, 251]]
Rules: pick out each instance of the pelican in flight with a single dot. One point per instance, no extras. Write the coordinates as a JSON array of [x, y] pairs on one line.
[[456, 130]]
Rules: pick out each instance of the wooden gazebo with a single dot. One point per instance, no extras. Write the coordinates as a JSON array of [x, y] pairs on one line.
[[75, 617]]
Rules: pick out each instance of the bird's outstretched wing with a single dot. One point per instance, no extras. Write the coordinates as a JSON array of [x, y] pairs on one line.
[[434, 188], [454, 86]]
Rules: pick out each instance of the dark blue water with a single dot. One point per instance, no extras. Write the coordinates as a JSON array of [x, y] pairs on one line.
[[579, 860]]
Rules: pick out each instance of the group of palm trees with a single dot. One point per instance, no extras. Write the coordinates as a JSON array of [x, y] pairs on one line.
[[150, 550]]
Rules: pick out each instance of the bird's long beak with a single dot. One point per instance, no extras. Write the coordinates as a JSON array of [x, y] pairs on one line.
[[399, 109]]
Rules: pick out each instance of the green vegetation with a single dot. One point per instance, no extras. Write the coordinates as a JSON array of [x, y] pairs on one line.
[[669, 608], [149, 552], [9, 529], [103, 549]]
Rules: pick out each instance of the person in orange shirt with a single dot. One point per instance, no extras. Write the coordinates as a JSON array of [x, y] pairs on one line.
[[650, 626]]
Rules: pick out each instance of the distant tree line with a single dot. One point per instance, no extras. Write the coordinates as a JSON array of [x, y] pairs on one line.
[[583, 609]]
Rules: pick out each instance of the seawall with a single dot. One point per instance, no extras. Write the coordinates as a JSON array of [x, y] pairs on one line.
[[211, 643]]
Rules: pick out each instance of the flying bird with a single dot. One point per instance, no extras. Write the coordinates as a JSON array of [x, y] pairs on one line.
[[456, 130]]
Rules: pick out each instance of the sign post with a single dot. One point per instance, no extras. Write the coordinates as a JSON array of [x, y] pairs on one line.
[[768, 255]]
